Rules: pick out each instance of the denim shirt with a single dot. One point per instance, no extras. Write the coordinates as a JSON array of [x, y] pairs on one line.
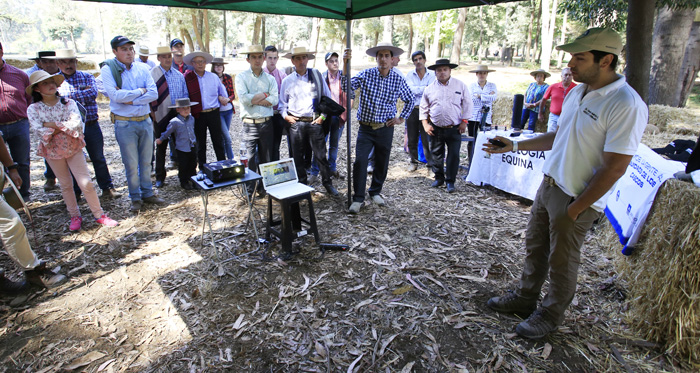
[[184, 133]]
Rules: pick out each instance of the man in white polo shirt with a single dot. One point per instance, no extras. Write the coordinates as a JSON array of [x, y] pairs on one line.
[[600, 127]]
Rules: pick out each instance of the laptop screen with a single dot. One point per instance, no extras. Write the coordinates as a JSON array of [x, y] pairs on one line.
[[275, 173]]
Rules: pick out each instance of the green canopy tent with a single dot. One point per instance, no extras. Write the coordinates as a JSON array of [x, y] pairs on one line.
[[332, 9]]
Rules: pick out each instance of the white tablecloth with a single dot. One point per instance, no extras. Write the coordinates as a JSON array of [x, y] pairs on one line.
[[518, 173]]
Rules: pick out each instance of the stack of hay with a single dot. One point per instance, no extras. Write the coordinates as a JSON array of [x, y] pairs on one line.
[[503, 113], [663, 274], [675, 120]]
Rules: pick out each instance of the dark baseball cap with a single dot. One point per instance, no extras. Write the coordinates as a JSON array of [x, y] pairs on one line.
[[330, 54], [175, 42], [119, 40]]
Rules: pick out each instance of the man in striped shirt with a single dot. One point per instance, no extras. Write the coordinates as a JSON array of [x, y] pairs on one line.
[[381, 87]]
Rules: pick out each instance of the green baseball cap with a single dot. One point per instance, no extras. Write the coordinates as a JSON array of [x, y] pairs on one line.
[[595, 39]]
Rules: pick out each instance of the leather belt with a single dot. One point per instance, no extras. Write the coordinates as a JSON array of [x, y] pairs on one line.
[[115, 117], [374, 125], [14, 121], [549, 180], [305, 119], [209, 110], [256, 121], [446, 127]]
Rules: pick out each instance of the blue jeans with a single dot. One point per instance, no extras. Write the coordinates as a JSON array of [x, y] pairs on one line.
[[529, 117], [225, 131], [333, 138], [368, 139], [135, 141], [16, 136], [94, 144]]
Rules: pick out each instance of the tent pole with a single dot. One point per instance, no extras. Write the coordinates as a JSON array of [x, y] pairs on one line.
[[348, 115]]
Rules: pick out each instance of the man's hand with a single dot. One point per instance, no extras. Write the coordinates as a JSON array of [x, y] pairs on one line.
[[159, 141], [347, 54], [493, 149], [143, 91], [428, 129], [462, 127], [394, 121], [223, 100], [290, 119], [318, 120], [259, 99], [572, 212], [14, 176], [540, 116]]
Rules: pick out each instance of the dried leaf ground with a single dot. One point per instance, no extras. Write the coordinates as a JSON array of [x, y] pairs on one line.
[[409, 296]]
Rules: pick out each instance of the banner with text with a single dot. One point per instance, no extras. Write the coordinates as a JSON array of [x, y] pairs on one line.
[[632, 197]]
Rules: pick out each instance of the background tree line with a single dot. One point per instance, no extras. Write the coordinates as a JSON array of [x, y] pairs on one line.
[[661, 61]]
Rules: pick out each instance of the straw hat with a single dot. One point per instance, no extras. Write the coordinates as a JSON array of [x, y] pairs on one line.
[[252, 49], [442, 62], [188, 58], [144, 51], [299, 51], [482, 68], [182, 102], [540, 71], [65, 54], [43, 54], [163, 50], [372, 52], [219, 60], [40, 76]]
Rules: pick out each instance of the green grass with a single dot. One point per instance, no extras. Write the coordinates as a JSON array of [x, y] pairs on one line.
[[694, 99]]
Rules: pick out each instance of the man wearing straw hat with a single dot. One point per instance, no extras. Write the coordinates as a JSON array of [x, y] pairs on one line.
[[170, 84], [300, 95], [131, 89], [444, 110], [257, 92], [13, 118], [417, 80], [43, 61], [381, 88], [556, 92], [484, 93], [144, 52], [206, 88], [601, 125], [81, 87]]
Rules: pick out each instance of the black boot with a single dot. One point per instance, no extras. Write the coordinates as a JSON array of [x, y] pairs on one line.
[[10, 287]]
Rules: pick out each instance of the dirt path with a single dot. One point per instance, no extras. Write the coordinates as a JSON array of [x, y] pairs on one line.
[[409, 295]]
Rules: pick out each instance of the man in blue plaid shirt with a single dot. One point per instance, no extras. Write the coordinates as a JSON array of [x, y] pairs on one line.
[[81, 87], [381, 87]]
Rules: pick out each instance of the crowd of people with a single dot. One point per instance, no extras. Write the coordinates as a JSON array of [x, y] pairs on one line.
[[177, 101]]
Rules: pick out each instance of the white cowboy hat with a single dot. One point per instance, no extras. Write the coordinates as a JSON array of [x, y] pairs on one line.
[[40, 76], [144, 51], [396, 51], [163, 50], [188, 58], [65, 54], [252, 49], [298, 51], [482, 68]]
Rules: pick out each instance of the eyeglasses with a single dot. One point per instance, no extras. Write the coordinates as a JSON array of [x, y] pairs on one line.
[[199, 62]]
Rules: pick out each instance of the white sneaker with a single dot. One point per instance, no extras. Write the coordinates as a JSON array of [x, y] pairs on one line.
[[378, 200], [355, 207]]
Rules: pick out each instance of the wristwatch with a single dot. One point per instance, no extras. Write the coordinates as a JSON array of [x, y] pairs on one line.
[[13, 166]]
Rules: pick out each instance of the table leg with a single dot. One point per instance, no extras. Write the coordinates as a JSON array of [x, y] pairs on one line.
[[207, 220], [251, 217]]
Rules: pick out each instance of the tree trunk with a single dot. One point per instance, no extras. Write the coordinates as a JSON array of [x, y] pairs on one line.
[[188, 38], [668, 48], [376, 38], [481, 35], [457, 38], [528, 42], [388, 32], [197, 30], [435, 49], [256, 30], [315, 31], [562, 40], [538, 20], [263, 32], [548, 24], [207, 33], [223, 50], [691, 63], [504, 58], [410, 35], [640, 24], [72, 39]]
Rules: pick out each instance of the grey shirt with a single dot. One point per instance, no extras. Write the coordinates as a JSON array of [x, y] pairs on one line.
[[184, 133]]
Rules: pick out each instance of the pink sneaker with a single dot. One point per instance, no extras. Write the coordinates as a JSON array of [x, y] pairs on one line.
[[107, 221], [75, 223]]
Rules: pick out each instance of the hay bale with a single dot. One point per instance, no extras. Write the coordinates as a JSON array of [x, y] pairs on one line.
[[665, 117], [503, 113], [663, 274]]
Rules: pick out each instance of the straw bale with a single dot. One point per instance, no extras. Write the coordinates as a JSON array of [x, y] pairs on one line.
[[663, 274], [503, 113], [665, 116]]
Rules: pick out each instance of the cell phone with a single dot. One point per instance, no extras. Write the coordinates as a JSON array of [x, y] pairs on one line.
[[498, 143]]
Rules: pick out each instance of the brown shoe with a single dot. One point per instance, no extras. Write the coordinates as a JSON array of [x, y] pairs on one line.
[[50, 185], [511, 302], [155, 200], [10, 287], [44, 277], [110, 193], [136, 205]]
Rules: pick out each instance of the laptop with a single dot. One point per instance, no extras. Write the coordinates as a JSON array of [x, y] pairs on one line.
[[280, 179]]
